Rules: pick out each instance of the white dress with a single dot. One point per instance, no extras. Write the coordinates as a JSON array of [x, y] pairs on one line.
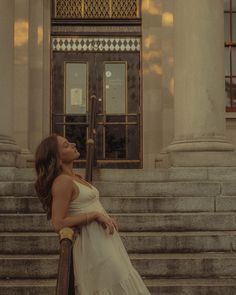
[[101, 263]]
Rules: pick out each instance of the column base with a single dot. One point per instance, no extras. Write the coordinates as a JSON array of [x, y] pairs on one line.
[[9, 151], [27, 159], [201, 152], [202, 159], [219, 143]]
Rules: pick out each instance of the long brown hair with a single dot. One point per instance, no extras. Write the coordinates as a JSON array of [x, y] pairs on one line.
[[47, 165]]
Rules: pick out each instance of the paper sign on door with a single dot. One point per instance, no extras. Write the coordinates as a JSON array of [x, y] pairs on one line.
[[76, 96]]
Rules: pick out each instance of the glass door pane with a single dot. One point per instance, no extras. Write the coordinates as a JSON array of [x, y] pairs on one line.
[[76, 88], [115, 88]]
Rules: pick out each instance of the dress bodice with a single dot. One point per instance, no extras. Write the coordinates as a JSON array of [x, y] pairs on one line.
[[86, 201]]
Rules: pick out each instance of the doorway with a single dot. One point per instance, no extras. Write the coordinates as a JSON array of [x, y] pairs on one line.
[[114, 78]]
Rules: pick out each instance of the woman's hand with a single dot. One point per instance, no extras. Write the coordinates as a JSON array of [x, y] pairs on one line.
[[107, 222], [114, 223]]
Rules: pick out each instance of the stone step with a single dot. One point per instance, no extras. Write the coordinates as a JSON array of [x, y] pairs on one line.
[[6, 188], [138, 175], [27, 287], [25, 174], [193, 189], [133, 222], [134, 242], [204, 265], [155, 286], [8, 173], [120, 204], [140, 189], [39, 287], [226, 174], [219, 286], [203, 189], [157, 174], [173, 181], [26, 204], [29, 243], [45, 266], [220, 174], [9, 188], [226, 204]]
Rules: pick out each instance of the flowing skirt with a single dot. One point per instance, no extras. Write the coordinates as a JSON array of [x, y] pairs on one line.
[[102, 265]]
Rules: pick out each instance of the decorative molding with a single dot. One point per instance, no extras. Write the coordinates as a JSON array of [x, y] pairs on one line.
[[96, 29], [101, 44]]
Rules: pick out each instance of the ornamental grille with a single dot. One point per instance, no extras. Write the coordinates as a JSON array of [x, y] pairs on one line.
[[68, 8], [96, 8], [124, 8]]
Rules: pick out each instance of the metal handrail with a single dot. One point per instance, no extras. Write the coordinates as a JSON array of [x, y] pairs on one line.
[[91, 139], [65, 277]]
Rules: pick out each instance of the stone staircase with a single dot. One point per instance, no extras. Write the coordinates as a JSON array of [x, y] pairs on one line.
[[178, 226]]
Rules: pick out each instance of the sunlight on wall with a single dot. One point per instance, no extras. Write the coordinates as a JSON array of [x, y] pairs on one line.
[[171, 60], [21, 30], [156, 68], [40, 34], [149, 41], [167, 19], [171, 86], [21, 60], [151, 7], [152, 54], [152, 69]]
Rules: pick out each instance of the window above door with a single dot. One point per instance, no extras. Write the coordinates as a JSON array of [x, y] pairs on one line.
[[96, 9]]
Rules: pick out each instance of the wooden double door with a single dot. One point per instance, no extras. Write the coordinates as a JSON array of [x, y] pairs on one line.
[[114, 78]]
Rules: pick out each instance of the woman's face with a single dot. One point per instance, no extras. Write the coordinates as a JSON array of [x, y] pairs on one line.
[[67, 150]]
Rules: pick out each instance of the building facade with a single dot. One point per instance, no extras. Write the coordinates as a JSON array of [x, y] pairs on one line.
[[163, 73], [157, 67]]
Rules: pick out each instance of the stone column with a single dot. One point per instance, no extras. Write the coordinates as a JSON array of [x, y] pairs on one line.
[[21, 75], [199, 77], [39, 71], [8, 147]]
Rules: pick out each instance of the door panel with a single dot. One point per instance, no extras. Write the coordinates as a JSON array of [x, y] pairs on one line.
[[76, 87], [114, 79]]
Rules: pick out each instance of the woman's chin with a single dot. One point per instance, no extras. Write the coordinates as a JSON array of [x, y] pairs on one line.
[[77, 156]]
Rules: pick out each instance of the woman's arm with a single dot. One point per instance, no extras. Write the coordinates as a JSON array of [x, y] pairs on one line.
[[62, 191]]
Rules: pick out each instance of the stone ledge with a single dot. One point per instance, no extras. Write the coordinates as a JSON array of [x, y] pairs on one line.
[[202, 159]]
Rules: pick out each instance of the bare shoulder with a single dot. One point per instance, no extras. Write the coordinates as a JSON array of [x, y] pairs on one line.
[[77, 174], [62, 183]]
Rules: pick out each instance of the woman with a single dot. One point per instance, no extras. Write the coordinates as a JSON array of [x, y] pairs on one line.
[[101, 263]]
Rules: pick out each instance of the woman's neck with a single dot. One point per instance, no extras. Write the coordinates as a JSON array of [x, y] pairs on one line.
[[67, 169]]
